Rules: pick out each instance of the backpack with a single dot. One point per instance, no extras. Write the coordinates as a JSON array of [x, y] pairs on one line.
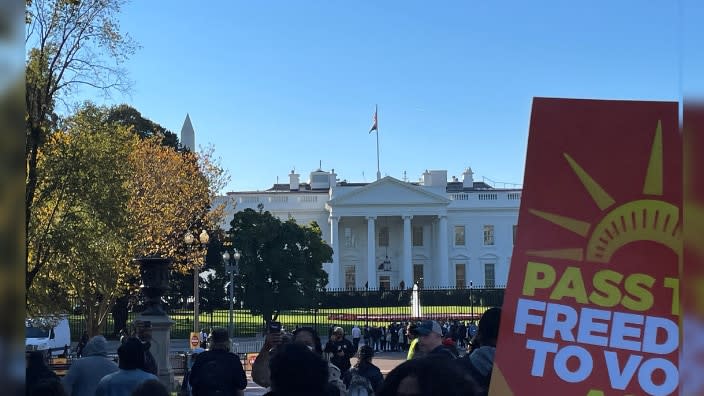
[[359, 385]]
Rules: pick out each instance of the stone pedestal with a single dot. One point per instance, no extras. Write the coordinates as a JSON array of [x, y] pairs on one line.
[[155, 281], [161, 343]]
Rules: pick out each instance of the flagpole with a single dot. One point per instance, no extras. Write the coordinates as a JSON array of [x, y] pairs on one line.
[[378, 170]]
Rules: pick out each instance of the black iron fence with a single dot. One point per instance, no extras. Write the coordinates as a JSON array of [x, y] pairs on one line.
[[342, 307]]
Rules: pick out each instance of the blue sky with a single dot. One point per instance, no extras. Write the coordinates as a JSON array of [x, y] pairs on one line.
[[281, 84]]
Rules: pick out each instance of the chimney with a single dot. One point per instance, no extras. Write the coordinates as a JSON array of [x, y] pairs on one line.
[[293, 181], [438, 178], [426, 179], [333, 178], [467, 179]]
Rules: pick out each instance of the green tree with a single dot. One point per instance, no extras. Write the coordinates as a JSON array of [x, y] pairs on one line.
[[81, 228], [71, 44], [127, 115], [282, 262]]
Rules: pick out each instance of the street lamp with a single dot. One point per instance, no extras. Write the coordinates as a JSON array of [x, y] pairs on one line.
[[232, 270], [189, 239]]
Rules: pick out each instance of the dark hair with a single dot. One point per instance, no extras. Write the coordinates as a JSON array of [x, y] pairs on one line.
[[296, 370], [365, 353], [489, 323], [436, 375], [131, 354], [151, 387], [316, 338], [46, 387]]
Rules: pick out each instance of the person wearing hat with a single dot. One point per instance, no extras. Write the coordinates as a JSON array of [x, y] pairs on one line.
[[480, 361], [217, 370], [430, 339], [365, 369], [341, 350]]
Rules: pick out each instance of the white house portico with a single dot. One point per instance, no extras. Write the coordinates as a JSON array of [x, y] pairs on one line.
[[390, 208], [393, 233]]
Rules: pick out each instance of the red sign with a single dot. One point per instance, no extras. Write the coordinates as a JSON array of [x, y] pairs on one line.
[[591, 307], [195, 340]]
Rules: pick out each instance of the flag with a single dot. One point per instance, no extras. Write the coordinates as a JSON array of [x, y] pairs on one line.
[[375, 125]]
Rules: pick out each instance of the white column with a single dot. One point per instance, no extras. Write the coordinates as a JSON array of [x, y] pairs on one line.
[[334, 275], [443, 280], [371, 253], [407, 267]]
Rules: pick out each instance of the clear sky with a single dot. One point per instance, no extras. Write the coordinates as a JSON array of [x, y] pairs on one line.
[[280, 84]]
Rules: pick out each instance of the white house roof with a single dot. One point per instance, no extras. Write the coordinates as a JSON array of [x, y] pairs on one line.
[[387, 191]]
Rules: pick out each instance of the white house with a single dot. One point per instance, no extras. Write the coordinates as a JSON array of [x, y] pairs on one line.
[[432, 232]]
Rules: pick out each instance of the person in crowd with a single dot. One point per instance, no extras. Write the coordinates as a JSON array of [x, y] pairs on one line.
[[382, 338], [367, 335], [412, 335], [38, 371], [356, 336], [430, 339], [451, 346], [144, 333], [84, 374], [480, 361], [82, 344], [341, 350], [186, 389], [218, 369], [375, 334], [394, 337], [431, 375], [365, 368], [46, 387], [297, 370], [130, 374], [123, 336], [151, 388], [307, 336]]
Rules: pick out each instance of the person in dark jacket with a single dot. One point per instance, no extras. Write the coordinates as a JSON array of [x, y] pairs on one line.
[[480, 361], [38, 371], [297, 370], [218, 371], [365, 368], [341, 349]]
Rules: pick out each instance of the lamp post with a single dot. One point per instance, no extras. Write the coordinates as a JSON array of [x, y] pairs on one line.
[[203, 238], [232, 270]]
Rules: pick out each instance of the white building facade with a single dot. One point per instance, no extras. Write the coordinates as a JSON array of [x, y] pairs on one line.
[[392, 233]]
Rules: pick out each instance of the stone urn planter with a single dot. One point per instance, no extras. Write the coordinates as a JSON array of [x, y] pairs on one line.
[[154, 272]]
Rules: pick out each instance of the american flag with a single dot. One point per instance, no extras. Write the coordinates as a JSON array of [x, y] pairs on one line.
[[375, 125]]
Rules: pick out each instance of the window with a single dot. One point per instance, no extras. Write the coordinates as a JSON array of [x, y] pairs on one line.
[[515, 228], [459, 235], [418, 274], [488, 235], [417, 236], [460, 276], [489, 276], [384, 282], [350, 278], [384, 237], [349, 238]]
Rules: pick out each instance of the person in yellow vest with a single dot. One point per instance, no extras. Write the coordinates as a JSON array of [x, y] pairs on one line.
[[412, 334]]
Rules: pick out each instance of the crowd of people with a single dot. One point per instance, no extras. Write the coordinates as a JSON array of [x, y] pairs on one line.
[[291, 364], [298, 364]]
